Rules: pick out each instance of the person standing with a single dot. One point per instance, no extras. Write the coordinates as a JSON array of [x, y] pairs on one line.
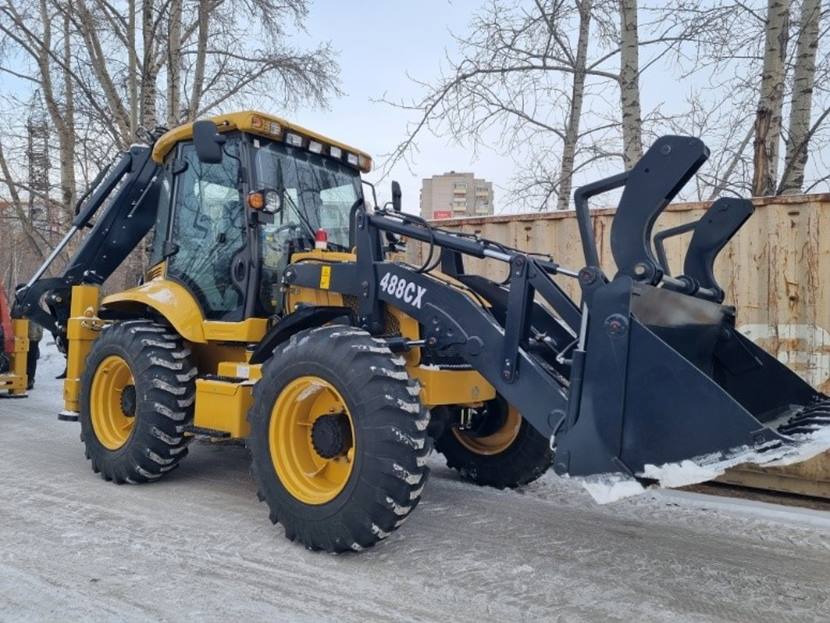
[[35, 335]]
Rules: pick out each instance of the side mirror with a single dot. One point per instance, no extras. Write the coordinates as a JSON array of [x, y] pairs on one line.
[[396, 197], [208, 142]]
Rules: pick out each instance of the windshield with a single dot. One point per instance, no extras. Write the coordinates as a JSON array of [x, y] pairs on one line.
[[317, 193]]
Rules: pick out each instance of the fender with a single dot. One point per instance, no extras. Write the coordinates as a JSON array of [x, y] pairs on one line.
[[300, 320], [170, 299]]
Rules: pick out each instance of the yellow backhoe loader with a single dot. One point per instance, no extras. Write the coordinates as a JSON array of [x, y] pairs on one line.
[[276, 309]]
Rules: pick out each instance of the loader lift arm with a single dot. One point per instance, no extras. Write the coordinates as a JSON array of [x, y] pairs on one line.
[[451, 319]]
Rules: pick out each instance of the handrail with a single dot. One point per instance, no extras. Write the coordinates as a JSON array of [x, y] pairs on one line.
[[583, 212]]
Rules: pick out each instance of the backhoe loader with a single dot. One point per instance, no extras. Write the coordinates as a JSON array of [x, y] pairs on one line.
[[276, 309]]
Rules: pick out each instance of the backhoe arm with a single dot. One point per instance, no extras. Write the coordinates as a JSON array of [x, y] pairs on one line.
[[125, 199]]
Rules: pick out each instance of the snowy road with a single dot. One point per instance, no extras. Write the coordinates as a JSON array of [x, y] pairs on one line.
[[198, 546]]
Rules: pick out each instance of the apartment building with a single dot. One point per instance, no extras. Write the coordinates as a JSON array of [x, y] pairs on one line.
[[455, 195]]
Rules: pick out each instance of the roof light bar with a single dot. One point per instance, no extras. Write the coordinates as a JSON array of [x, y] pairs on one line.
[[294, 139], [311, 142]]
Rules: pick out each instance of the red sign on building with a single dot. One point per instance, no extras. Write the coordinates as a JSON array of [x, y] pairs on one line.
[[441, 214]]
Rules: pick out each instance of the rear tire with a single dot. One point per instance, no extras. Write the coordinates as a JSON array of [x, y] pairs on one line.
[[520, 456], [355, 483], [137, 394]]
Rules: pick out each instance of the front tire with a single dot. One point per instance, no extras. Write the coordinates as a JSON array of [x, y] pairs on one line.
[[508, 455], [338, 439], [137, 395]]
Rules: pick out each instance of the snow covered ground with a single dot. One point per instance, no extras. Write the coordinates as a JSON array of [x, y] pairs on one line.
[[198, 546]]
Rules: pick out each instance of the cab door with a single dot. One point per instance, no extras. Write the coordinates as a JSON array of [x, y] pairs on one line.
[[208, 250]]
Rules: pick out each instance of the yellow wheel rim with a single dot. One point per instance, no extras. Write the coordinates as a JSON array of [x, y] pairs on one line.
[[111, 424], [497, 442], [308, 475]]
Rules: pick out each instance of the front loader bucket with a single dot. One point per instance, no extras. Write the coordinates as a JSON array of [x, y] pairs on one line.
[[666, 379], [663, 388]]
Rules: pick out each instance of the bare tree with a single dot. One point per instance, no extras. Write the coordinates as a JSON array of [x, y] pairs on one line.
[[801, 104], [580, 73], [106, 68], [533, 80], [202, 33], [132, 66], [771, 99], [716, 49], [632, 121], [749, 62], [174, 63]]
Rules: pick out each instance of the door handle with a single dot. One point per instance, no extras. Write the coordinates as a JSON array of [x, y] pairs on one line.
[[239, 271]]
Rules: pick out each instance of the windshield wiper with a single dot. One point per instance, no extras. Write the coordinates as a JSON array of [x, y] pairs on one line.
[[307, 223], [303, 217]]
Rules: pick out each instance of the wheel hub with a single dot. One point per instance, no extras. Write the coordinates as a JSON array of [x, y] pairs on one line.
[[331, 435], [485, 420], [112, 402], [128, 401], [311, 441], [493, 436]]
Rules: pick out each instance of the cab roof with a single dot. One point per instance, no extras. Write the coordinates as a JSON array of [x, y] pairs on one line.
[[260, 124]]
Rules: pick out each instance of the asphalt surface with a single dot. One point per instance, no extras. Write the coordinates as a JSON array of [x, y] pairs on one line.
[[197, 546]]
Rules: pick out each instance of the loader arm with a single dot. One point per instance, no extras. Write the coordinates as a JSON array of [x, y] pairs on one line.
[[452, 319]]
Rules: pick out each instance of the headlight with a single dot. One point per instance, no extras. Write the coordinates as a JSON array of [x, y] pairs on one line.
[[273, 202]]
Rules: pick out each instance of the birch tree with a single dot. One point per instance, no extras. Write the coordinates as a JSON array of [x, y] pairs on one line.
[[632, 132], [174, 63], [769, 113], [801, 103], [751, 63]]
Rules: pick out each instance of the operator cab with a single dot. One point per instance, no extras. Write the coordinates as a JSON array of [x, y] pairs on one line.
[[242, 193]]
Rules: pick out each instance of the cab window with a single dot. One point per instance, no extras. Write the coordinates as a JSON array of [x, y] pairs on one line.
[[209, 231], [317, 193]]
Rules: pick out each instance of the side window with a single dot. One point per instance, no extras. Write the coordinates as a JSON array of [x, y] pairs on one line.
[[209, 229]]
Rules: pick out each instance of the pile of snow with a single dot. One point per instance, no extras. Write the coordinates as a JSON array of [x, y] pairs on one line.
[[51, 364], [606, 488]]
